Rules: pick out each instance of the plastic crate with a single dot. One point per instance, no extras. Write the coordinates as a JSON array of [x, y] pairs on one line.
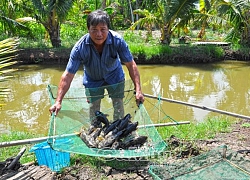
[[45, 155]]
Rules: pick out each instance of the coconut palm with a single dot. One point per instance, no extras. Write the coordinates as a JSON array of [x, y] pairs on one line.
[[8, 47]]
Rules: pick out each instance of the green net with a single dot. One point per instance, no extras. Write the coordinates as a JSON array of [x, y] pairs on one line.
[[75, 115], [218, 163]]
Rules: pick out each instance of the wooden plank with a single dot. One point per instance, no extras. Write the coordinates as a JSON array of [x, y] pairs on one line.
[[212, 43], [33, 172]]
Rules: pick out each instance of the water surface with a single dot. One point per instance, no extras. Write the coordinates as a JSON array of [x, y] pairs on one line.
[[224, 86]]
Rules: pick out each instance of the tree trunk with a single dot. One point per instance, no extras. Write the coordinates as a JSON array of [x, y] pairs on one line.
[[245, 37], [165, 35], [131, 11], [54, 34], [103, 4], [54, 30]]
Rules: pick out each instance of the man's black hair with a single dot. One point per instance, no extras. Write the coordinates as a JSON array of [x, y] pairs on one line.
[[96, 17]]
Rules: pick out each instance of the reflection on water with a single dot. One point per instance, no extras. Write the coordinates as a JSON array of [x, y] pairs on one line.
[[224, 86]]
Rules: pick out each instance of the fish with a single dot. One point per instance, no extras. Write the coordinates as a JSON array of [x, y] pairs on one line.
[[124, 122], [88, 140], [101, 117], [96, 133], [98, 140], [116, 144], [130, 128], [137, 141], [110, 140], [93, 127], [112, 126]]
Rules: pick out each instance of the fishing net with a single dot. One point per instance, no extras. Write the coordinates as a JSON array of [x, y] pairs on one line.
[[75, 116], [219, 163]]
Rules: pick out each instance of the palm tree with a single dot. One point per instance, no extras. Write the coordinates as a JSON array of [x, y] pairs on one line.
[[51, 14], [8, 47]]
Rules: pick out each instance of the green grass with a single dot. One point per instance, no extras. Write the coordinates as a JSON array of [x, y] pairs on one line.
[[11, 151], [246, 125], [205, 130]]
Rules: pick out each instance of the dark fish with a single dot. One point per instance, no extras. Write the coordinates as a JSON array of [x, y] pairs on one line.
[[110, 140], [130, 128], [102, 118], [137, 141], [124, 122], [112, 126]]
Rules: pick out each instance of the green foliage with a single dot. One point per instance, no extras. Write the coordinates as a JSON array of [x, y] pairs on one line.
[[70, 34], [149, 50], [192, 131], [7, 50]]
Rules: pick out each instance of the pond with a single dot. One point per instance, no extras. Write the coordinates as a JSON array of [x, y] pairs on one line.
[[223, 86]]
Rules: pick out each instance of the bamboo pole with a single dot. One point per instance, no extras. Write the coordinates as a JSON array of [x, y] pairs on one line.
[[41, 139], [163, 124], [33, 140], [198, 106]]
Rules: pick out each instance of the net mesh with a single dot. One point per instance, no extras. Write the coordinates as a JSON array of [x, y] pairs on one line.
[[219, 163], [74, 115]]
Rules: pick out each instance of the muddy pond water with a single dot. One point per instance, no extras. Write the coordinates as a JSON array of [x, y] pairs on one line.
[[223, 86]]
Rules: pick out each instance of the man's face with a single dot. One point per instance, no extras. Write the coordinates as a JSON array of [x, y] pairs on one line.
[[99, 33]]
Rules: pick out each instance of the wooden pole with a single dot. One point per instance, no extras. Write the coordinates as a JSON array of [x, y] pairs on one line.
[[198, 106]]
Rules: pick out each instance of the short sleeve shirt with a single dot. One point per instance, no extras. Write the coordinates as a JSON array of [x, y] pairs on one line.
[[100, 69]]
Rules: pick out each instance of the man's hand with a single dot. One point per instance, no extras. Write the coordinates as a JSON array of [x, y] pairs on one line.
[[55, 108], [139, 98]]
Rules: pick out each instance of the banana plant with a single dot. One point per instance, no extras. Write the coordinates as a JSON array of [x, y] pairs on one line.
[[237, 13], [168, 15]]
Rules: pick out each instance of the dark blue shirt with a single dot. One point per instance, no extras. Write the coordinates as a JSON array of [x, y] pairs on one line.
[[100, 69]]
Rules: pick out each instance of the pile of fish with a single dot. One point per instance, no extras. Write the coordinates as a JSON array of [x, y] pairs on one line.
[[115, 135]]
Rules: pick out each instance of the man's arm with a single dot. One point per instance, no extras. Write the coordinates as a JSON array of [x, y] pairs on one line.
[[64, 85], [135, 76]]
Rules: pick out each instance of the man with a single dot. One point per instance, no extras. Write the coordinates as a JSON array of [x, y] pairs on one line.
[[101, 51]]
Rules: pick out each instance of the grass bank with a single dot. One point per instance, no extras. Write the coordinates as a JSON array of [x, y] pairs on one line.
[[190, 132], [145, 50]]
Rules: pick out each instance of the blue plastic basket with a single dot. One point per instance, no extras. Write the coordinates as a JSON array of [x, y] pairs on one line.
[[45, 155]]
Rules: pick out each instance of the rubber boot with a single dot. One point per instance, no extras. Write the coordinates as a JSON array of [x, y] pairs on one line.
[[118, 108], [94, 106]]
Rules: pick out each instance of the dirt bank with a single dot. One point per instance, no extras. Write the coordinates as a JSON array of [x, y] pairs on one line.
[[238, 140], [179, 55]]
